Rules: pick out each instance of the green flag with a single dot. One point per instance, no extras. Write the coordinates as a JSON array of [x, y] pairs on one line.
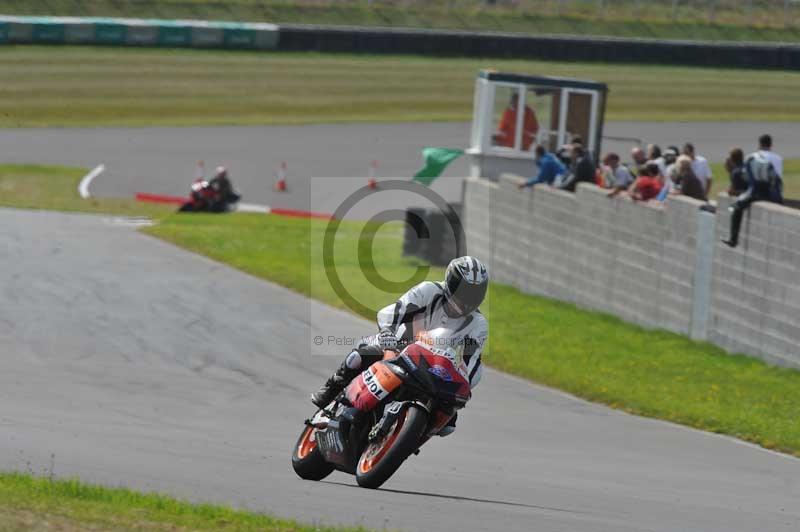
[[436, 160]]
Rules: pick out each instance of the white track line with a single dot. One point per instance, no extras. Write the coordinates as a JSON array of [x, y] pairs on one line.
[[251, 207], [83, 186]]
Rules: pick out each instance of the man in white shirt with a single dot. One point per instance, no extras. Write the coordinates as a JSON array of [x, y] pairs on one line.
[[765, 149], [700, 167]]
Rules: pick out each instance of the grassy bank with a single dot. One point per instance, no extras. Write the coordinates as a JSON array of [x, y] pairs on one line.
[[620, 18], [29, 503], [590, 354], [55, 188], [85, 86]]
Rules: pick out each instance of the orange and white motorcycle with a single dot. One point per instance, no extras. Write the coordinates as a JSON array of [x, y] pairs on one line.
[[384, 415]]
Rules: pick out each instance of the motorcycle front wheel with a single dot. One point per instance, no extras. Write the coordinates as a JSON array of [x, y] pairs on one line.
[[383, 457], [307, 461]]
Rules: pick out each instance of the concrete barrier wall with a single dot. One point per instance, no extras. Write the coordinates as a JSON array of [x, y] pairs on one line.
[[755, 293], [651, 265], [137, 32]]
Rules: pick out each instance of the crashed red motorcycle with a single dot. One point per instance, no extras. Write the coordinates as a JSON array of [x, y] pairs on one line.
[[204, 197], [384, 415]]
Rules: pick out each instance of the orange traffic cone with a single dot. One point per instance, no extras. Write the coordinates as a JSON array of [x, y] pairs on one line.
[[280, 185], [372, 183]]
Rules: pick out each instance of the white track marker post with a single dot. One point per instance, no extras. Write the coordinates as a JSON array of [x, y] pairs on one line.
[[280, 185], [83, 186], [372, 181]]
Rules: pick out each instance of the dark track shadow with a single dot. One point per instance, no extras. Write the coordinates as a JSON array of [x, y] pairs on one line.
[[461, 498]]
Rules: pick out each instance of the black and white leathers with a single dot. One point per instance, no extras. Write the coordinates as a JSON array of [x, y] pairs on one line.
[[422, 309]]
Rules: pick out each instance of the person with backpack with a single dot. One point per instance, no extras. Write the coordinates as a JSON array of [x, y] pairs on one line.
[[764, 184]]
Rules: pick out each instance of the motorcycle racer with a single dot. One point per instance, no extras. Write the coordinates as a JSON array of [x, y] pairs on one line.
[[452, 304]]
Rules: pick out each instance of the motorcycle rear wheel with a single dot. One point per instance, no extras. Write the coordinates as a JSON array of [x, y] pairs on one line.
[[382, 458], [307, 461]]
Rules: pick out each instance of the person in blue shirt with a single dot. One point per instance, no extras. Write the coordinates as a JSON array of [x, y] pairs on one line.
[[549, 168]]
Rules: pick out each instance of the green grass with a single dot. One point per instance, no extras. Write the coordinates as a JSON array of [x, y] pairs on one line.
[[31, 503], [27, 186], [85, 86], [589, 354], [622, 18]]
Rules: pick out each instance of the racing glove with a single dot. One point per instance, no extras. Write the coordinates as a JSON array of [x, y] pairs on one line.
[[387, 339]]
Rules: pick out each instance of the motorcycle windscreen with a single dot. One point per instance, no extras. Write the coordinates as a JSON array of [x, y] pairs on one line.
[[372, 386]]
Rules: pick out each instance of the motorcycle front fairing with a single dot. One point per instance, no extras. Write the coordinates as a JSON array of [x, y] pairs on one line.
[[339, 438]]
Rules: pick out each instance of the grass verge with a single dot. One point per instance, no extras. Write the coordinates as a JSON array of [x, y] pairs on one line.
[[32, 503], [87, 86], [592, 355], [651, 19], [29, 186]]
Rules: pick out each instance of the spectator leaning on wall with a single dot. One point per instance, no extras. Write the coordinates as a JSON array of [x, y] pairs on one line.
[[764, 184], [549, 168], [619, 177], [582, 170], [700, 167], [647, 185], [638, 158], [687, 181], [654, 155]]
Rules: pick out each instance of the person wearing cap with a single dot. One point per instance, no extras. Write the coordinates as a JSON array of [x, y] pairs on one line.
[[670, 173]]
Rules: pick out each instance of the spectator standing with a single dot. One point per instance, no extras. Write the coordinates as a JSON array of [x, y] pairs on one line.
[[654, 156], [700, 166], [764, 184], [549, 168], [765, 149], [670, 157], [638, 158], [507, 129], [685, 178], [619, 177], [582, 170], [734, 164]]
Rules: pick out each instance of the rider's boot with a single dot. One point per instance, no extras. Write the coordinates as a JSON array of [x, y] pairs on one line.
[[351, 366]]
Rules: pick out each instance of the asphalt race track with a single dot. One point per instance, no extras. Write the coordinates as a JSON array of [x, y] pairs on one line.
[[320, 158], [130, 362]]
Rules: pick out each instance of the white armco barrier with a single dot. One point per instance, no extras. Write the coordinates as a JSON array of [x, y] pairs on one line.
[[138, 32], [657, 266]]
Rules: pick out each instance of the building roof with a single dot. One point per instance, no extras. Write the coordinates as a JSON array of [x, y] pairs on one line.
[[548, 81]]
